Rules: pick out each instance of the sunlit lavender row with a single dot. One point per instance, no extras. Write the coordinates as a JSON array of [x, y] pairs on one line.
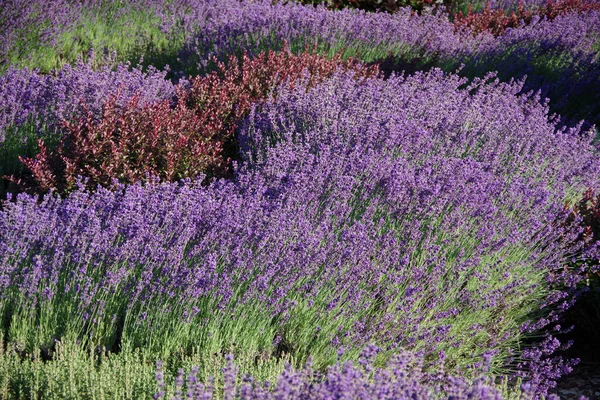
[[281, 212]]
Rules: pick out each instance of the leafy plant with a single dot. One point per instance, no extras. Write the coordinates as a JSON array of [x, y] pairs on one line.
[[497, 20], [193, 137]]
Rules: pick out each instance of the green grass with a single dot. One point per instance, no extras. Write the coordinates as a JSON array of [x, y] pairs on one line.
[[131, 35]]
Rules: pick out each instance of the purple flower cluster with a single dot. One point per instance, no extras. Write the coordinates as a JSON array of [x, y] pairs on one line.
[[45, 99], [432, 115], [386, 222], [558, 57], [216, 29], [402, 379]]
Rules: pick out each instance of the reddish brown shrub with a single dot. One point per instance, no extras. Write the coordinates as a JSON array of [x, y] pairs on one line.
[[589, 209], [555, 8], [496, 21], [223, 97], [127, 144], [585, 315], [170, 142]]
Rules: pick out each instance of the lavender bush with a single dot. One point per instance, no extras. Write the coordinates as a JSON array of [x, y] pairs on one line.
[[350, 223], [126, 376], [558, 57], [403, 379], [48, 34], [227, 27], [423, 214], [336, 113], [26, 21], [45, 99]]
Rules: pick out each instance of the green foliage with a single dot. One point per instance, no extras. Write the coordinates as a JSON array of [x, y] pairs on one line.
[[20, 141], [130, 33]]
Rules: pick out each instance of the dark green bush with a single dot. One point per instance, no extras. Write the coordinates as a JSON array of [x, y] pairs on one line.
[[368, 5]]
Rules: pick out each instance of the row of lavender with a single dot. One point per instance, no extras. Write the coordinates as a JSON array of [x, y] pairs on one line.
[[421, 214], [558, 56], [347, 221]]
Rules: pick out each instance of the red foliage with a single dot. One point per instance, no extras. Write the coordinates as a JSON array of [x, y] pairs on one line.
[[589, 209], [223, 97], [555, 8], [127, 144], [496, 21], [493, 21], [195, 136]]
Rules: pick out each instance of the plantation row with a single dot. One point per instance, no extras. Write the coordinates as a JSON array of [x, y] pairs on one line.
[[280, 213], [557, 56]]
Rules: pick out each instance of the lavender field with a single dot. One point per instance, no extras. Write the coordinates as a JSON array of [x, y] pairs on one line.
[[256, 199]]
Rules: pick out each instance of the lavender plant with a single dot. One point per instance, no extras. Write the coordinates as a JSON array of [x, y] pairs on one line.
[[128, 377], [402, 379], [349, 223], [202, 29], [45, 99], [558, 57], [223, 28], [345, 114], [48, 34]]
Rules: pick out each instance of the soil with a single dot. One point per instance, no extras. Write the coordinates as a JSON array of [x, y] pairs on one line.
[[583, 381]]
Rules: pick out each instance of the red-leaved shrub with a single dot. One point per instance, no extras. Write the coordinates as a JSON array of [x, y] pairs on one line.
[[167, 141], [585, 315], [588, 208], [127, 143], [496, 21]]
